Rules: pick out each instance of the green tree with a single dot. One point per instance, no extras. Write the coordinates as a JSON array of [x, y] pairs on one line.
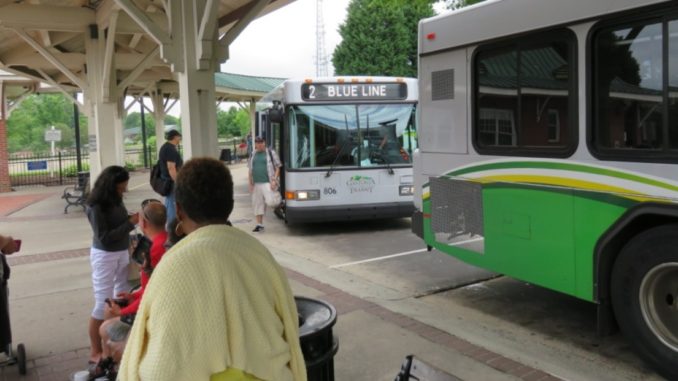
[[133, 120], [456, 4], [234, 122], [27, 124], [379, 37], [172, 121]]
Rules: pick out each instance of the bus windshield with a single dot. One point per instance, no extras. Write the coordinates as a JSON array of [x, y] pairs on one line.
[[351, 135]]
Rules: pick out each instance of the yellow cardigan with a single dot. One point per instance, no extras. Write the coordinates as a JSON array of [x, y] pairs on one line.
[[217, 304]]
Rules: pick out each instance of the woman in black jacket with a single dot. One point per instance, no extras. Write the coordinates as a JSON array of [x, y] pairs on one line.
[[109, 256]]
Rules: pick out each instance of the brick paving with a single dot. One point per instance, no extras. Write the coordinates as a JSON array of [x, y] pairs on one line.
[[60, 366], [14, 203]]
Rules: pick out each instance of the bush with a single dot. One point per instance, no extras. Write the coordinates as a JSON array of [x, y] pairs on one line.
[[72, 170]]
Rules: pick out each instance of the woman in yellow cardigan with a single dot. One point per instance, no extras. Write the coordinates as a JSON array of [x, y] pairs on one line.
[[218, 306]]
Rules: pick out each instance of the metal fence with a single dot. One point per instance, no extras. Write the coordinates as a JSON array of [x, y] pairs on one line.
[[32, 169]]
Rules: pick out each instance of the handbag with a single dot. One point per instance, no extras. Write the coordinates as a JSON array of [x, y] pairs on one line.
[[274, 197], [160, 185]]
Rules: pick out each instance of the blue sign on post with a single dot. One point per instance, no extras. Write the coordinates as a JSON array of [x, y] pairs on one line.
[[37, 165]]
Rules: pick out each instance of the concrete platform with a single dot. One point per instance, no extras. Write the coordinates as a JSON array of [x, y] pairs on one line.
[[51, 298]]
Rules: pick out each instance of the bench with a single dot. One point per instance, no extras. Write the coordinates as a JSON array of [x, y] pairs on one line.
[[76, 196], [414, 369]]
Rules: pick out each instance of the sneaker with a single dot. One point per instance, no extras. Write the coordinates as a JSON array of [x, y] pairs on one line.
[[258, 229]]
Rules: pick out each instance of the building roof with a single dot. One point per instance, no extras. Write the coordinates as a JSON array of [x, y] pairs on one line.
[[236, 87], [246, 82]]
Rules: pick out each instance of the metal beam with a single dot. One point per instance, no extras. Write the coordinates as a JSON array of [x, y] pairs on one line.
[[174, 101], [206, 34], [141, 94], [135, 41], [49, 57], [145, 22], [46, 40], [68, 94], [141, 66], [47, 17], [74, 61], [11, 107], [110, 80], [255, 7]]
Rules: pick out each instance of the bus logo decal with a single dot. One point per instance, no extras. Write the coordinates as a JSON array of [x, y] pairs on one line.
[[361, 184]]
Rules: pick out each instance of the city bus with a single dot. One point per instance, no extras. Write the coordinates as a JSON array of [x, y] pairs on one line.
[[548, 152], [346, 144]]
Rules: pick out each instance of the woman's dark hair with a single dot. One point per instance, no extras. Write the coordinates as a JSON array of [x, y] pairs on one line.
[[204, 190], [105, 191]]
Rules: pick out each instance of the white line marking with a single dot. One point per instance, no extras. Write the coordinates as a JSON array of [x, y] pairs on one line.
[[467, 241], [138, 186], [378, 258]]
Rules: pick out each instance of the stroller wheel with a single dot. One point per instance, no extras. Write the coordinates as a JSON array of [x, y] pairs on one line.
[[21, 358]]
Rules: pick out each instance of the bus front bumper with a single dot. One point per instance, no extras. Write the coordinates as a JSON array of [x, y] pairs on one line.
[[295, 214]]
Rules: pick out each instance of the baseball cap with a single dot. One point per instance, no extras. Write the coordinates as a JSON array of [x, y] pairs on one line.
[[171, 134]]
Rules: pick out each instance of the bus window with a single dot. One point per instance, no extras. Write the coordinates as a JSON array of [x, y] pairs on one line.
[[322, 136], [629, 84], [673, 83], [388, 132], [524, 96], [330, 135]]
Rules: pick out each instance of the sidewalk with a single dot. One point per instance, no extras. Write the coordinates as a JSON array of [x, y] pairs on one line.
[[51, 299]]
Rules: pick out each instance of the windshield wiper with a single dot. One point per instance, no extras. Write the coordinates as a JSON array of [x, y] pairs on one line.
[[388, 164], [383, 155], [348, 138]]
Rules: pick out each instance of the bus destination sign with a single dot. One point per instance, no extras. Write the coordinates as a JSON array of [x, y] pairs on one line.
[[353, 91]]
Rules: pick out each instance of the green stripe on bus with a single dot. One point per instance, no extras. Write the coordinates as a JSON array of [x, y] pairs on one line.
[[563, 167]]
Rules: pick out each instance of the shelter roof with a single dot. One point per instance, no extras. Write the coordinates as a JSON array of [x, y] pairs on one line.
[[45, 39]]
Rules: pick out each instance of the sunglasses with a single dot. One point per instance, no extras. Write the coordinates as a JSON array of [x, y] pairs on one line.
[[148, 201], [145, 203]]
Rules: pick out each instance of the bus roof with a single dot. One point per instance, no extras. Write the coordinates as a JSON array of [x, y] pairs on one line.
[[493, 19], [290, 90]]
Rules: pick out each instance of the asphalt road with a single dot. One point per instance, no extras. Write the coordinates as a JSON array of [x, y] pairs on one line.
[[506, 315]]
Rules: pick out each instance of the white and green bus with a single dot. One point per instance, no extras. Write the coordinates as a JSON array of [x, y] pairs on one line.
[[346, 144], [548, 151]]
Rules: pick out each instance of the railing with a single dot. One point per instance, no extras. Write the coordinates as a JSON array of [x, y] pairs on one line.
[[32, 169]]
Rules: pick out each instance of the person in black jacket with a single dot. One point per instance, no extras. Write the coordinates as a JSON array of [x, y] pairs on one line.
[[109, 256], [170, 163]]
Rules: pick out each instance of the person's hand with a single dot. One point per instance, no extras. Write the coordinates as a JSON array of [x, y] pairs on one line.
[[10, 246], [251, 188], [124, 295], [274, 184], [134, 218], [111, 310]]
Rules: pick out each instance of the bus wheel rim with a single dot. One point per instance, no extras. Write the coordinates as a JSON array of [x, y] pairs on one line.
[[659, 303]]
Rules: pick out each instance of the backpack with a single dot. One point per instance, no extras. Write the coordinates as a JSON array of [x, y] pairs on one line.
[[159, 184]]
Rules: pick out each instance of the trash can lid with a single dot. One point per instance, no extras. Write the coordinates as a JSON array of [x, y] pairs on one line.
[[314, 315]]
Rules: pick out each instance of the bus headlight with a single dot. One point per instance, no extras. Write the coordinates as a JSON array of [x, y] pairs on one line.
[[303, 195], [406, 190]]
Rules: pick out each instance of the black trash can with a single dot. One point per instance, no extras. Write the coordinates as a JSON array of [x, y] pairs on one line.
[[225, 155], [83, 177], [318, 345]]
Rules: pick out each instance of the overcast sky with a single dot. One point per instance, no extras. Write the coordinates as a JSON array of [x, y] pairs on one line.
[[282, 43]]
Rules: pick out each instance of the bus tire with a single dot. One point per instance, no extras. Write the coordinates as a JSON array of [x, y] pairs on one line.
[[644, 294]]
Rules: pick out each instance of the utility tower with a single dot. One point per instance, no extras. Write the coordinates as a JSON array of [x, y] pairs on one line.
[[320, 56]]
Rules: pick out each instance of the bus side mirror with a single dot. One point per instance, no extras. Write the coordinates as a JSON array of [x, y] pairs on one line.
[[275, 115]]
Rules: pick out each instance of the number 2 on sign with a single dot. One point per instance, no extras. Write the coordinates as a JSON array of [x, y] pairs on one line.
[[312, 90]]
